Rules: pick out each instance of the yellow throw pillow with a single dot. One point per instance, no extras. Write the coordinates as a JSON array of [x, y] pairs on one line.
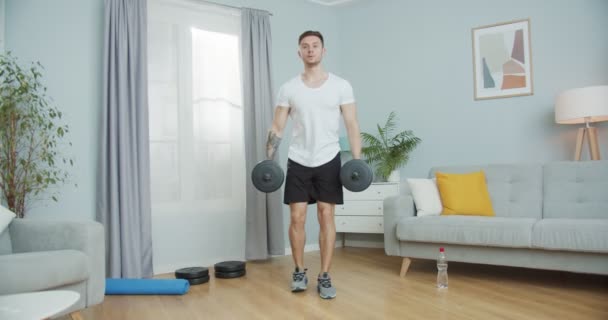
[[464, 194]]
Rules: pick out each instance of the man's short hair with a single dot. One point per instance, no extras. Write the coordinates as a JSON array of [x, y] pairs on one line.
[[311, 33]]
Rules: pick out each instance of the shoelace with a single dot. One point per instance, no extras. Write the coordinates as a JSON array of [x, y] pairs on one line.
[[299, 276], [325, 282]]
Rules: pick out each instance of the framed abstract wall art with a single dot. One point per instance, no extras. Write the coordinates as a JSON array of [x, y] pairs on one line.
[[502, 60]]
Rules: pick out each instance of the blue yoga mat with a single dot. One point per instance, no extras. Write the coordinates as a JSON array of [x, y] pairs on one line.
[[146, 286]]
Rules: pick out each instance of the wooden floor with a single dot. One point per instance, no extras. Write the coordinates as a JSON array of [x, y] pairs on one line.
[[369, 287]]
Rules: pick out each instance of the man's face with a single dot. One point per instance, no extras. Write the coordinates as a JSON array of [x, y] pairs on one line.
[[311, 50]]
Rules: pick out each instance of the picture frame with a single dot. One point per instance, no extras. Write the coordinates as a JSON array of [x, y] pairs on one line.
[[502, 60]]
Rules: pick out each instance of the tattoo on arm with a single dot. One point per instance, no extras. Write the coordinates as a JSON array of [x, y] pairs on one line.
[[272, 144]]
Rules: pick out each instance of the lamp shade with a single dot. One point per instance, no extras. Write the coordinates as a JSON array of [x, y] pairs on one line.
[[589, 104]]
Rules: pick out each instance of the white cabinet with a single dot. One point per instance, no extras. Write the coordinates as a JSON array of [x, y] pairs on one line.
[[362, 211]]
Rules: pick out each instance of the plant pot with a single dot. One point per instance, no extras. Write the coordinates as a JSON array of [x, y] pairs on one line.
[[395, 176]]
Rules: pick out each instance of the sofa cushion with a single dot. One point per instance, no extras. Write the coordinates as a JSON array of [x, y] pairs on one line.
[[426, 197], [589, 235], [515, 189], [468, 230], [6, 216], [576, 190], [35, 271], [5, 242], [464, 194]]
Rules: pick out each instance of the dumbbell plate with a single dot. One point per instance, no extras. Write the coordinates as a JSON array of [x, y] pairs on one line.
[[230, 275], [356, 175], [229, 266], [191, 273], [195, 281], [267, 176]]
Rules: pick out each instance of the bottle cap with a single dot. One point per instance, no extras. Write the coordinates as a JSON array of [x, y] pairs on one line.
[[441, 249]]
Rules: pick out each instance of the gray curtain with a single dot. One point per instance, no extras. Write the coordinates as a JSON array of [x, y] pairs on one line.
[[264, 211], [124, 191]]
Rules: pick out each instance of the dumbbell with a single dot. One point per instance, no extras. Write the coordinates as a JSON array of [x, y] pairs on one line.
[[355, 175], [267, 176]]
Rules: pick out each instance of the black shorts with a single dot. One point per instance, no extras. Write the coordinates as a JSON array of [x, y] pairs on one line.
[[307, 184]]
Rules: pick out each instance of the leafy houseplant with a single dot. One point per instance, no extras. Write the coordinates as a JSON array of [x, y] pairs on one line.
[[388, 151], [30, 136]]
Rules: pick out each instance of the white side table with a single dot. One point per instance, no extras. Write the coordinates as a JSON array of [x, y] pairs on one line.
[[37, 305], [362, 212]]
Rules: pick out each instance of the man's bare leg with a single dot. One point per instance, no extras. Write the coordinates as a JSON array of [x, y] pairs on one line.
[[327, 233], [297, 234]]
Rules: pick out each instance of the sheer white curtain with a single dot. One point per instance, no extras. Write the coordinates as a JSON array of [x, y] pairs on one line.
[[196, 134]]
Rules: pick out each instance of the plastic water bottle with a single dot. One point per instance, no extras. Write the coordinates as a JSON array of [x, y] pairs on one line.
[[442, 270]]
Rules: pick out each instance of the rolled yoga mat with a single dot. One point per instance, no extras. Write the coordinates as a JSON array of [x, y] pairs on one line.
[[146, 286]]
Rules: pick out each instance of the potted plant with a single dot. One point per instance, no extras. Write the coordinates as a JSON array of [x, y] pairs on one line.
[[388, 151], [30, 136]]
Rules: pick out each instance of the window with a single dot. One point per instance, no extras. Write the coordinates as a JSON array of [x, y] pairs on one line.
[[196, 113]]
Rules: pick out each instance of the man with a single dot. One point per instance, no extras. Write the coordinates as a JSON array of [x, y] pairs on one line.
[[314, 100]]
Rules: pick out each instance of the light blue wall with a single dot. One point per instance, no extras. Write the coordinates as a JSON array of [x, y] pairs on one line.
[[415, 57], [410, 56], [66, 36], [289, 19]]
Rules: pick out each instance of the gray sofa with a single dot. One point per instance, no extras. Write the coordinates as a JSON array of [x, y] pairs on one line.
[[37, 255], [548, 216]]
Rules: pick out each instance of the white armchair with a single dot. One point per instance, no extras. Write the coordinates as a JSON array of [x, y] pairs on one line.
[[38, 255]]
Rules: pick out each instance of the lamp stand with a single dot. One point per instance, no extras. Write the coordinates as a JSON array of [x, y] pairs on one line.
[[594, 147]]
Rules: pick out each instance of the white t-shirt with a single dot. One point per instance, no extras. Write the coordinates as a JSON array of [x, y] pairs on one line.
[[316, 118]]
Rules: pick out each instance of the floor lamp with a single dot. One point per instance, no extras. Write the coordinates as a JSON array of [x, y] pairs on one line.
[[583, 105]]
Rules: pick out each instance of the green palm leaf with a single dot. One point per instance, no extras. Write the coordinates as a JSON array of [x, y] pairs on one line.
[[388, 151]]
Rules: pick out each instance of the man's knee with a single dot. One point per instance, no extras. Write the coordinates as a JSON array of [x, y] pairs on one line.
[[298, 219], [325, 212]]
